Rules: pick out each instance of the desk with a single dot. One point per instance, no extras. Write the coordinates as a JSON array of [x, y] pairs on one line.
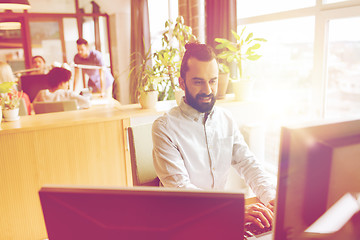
[[85, 147]]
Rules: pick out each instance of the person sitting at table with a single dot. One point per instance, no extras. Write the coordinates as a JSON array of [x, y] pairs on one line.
[[58, 79], [39, 63]]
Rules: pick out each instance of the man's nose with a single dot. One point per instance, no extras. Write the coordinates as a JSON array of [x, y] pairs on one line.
[[206, 88]]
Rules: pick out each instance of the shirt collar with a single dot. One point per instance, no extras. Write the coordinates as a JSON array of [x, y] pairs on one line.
[[192, 113]]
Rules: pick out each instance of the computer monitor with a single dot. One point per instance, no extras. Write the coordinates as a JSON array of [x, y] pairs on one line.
[[32, 84], [141, 213], [319, 163]]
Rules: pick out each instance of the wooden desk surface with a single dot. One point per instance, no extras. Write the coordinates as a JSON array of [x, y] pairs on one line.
[[99, 112], [70, 118]]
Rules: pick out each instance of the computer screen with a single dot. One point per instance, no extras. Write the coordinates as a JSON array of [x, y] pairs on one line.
[[32, 84], [141, 213], [319, 163]]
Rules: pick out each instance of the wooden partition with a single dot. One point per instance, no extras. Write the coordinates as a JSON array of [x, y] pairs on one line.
[[78, 148]]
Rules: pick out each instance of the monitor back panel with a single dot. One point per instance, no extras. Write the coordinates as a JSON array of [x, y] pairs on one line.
[[319, 163], [141, 213], [32, 84]]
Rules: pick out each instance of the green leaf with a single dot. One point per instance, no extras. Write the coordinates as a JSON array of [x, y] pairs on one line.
[[237, 37], [232, 48], [222, 55], [253, 57], [221, 46], [5, 87], [255, 46], [221, 40], [260, 39], [242, 31], [249, 36]]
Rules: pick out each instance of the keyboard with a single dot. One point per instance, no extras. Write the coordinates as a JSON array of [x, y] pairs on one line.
[[253, 231]]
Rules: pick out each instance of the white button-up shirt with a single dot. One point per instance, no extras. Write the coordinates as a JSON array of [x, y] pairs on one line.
[[190, 151]]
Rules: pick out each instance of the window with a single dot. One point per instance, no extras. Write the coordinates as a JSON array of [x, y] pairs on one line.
[[159, 12], [286, 65], [343, 69], [46, 40], [310, 64]]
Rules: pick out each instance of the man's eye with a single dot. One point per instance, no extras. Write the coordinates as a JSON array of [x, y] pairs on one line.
[[212, 82]]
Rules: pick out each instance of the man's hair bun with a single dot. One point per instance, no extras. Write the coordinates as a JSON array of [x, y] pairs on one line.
[[191, 45]]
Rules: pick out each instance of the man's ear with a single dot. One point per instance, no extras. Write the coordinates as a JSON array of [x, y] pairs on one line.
[[182, 83]]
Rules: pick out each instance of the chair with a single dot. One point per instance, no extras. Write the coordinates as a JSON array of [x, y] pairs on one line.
[[59, 106], [140, 144]]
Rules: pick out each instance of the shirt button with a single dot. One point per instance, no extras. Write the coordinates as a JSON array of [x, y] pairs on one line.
[[213, 169]]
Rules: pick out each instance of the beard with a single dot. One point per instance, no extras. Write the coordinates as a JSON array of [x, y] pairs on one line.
[[196, 104]]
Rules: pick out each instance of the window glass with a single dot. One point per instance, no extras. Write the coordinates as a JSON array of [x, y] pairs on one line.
[[251, 8], [89, 30], [343, 84], [89, 35], [283, 74], [11, 45], [159, 13], [71, 34], [46, 40], [104, 40]]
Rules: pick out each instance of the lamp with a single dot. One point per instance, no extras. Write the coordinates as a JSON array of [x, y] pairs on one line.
[[14, 4]]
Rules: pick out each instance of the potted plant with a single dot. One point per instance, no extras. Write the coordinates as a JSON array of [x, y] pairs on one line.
[[244, 48], [148, 90], [148, 79], [10, 103], [223, 80], [7, 101], [168, 59]]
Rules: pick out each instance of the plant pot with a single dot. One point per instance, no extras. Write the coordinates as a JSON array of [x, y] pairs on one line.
[[11, 114], [148, 99], [242, 89], [179, 95], [222, 85]]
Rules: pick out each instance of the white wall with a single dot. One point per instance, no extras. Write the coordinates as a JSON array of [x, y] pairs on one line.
[[120, 27]]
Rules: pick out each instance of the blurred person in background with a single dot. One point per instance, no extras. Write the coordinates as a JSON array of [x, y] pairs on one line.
[[39, 63], [7, 75], [58, 79], [100, 79]]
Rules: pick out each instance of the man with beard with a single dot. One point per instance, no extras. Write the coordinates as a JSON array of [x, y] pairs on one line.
[[196, 143], [100, 79]]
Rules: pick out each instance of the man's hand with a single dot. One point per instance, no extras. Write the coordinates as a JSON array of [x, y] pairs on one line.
[[259, 214], [271, 205]]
